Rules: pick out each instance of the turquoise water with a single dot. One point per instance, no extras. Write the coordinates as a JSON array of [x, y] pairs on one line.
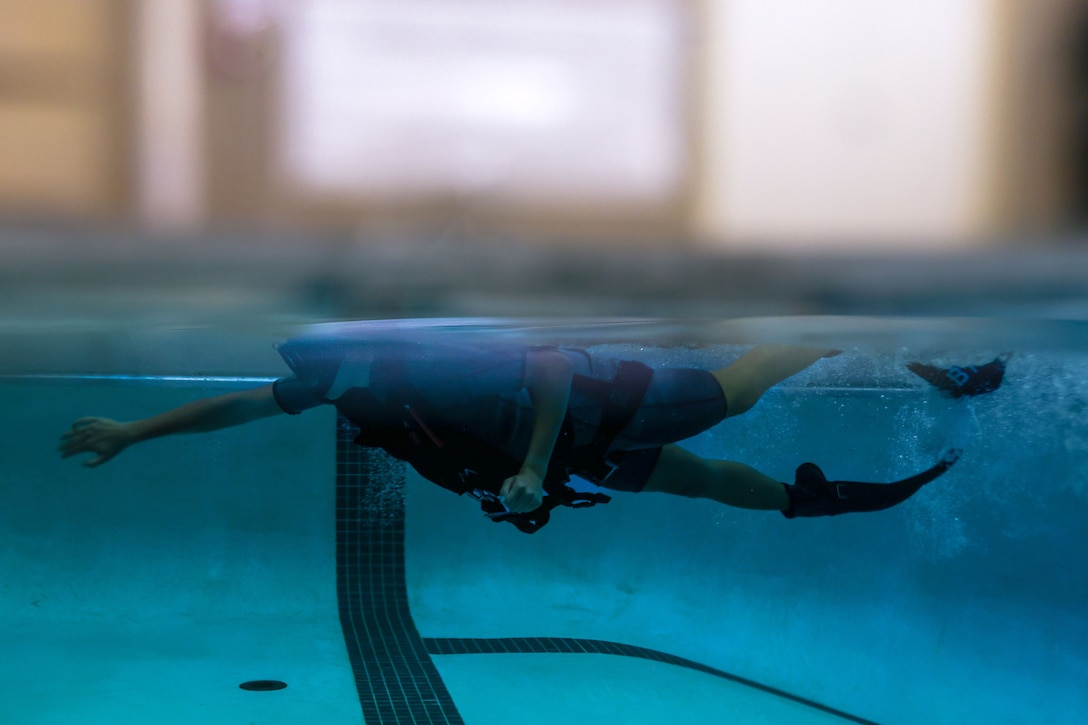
[[148, 589]]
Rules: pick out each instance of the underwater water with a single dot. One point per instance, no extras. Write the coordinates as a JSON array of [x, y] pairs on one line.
[[149, 589]]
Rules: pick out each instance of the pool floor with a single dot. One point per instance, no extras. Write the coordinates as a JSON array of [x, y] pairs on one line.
[[178, 673]]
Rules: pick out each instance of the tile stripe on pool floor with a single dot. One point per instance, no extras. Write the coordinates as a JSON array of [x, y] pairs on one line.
[[395, 676], [568, 645]]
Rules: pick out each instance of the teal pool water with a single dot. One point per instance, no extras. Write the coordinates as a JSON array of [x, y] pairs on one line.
[[149, 589]]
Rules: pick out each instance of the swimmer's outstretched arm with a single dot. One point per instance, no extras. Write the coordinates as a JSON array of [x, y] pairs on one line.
[[107, 437], [548, 376]]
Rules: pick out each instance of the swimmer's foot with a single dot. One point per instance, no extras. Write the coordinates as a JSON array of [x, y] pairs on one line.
[[958, 382], [813, 495]]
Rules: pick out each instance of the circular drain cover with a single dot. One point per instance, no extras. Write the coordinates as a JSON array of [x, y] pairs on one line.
[[263, 685]]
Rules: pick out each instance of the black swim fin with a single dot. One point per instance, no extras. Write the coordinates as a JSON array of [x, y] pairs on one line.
[[958, 382], [813, 495]]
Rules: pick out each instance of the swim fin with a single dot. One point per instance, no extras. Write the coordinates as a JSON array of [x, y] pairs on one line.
[[813, 495], [958, 382]]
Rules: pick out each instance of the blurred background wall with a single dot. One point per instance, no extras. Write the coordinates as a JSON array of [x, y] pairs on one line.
[[65, 115], [702, 124]]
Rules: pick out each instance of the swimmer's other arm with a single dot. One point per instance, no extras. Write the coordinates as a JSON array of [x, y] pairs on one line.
[[548, 376], [107, 438]]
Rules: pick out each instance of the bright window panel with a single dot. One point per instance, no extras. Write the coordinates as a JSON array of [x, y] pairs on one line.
[[547, 102]]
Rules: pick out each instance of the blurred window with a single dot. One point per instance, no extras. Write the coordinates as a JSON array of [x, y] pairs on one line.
[[545, 101]]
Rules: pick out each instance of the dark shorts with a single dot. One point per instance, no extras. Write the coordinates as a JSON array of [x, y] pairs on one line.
[[632, 471], [680, 403]]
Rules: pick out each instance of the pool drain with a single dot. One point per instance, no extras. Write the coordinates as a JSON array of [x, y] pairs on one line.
[[263, 685]]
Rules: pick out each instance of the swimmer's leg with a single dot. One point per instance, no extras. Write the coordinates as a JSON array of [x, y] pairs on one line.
[[762, 367], [683, 473]]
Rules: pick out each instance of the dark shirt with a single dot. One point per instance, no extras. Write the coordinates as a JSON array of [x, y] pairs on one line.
[[480, 389]]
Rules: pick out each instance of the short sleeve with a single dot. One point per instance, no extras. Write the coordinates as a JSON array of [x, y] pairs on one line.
[[294, 395]]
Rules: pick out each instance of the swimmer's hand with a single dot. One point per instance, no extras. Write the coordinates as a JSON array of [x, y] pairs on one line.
[[523, 493], [103, 436]]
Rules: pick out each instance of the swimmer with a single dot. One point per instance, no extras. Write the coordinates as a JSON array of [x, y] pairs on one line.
[[509, 423]]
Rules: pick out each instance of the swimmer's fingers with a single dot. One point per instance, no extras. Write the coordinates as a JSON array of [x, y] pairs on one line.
[[79, 436], [95, 462], [84, 426]]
